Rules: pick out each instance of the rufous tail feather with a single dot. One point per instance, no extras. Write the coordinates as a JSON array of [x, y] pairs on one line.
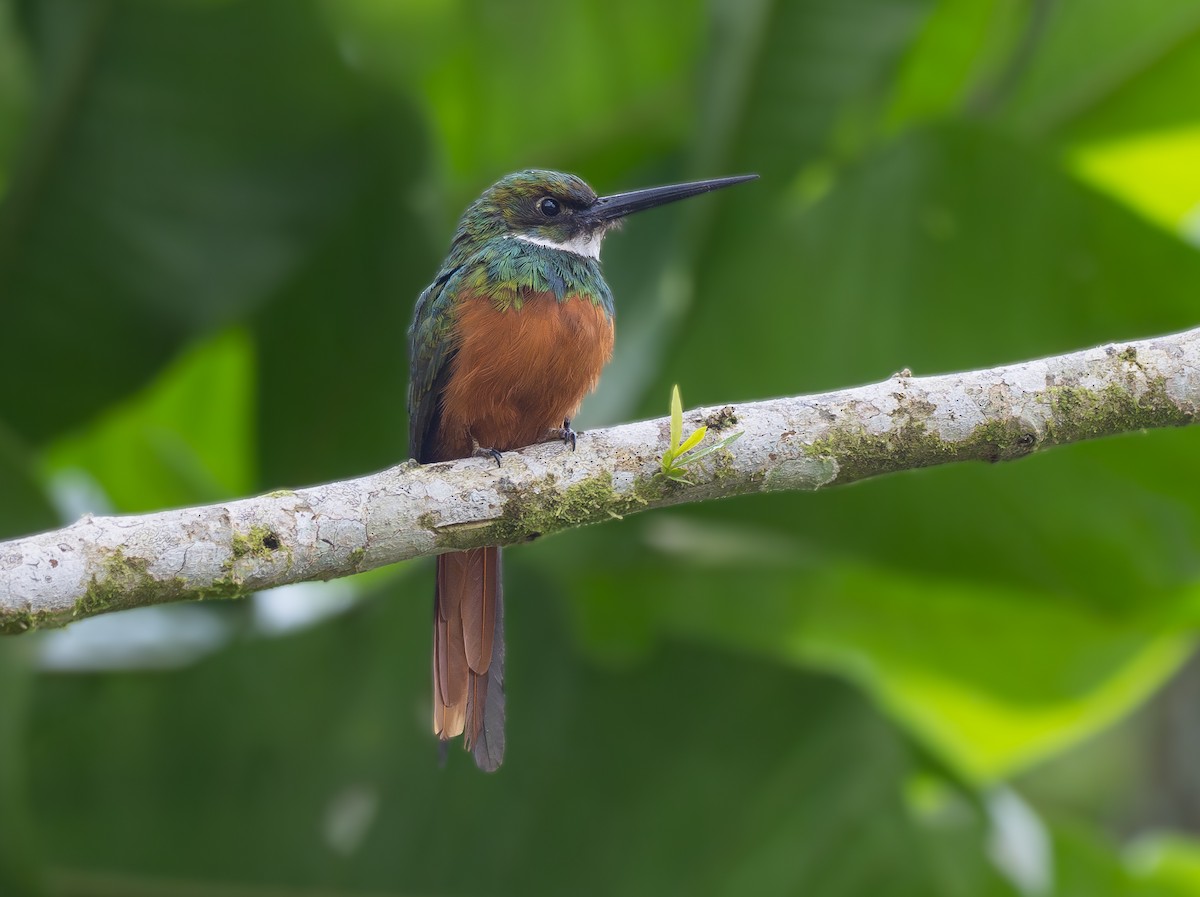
[[468, 653]]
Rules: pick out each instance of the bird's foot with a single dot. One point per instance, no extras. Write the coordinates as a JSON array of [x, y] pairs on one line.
[[480, 451], [565, 433]]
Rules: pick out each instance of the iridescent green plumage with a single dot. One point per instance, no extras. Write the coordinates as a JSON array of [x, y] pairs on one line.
[[505, 343], [488, 257]]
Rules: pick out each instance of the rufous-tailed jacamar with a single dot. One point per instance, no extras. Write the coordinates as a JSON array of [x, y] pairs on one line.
[[504, 345]]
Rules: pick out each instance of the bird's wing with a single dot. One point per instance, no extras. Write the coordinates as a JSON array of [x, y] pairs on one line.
[[430, 350]]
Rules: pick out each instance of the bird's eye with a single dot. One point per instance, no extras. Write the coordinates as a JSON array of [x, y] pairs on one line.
[[549, 207]]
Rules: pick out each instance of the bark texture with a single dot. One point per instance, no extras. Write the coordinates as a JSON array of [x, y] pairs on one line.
[[100, 564]]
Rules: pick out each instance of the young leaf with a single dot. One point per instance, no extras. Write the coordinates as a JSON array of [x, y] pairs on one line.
[[693, 457], [692, 440], [680, 453], [676, 418]]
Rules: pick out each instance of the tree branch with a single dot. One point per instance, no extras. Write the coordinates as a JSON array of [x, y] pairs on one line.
[[108, 563]]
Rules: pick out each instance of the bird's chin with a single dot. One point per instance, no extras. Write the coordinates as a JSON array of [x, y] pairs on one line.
[[586, 244]]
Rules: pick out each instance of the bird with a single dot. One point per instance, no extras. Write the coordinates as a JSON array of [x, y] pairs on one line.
[[505, 343]]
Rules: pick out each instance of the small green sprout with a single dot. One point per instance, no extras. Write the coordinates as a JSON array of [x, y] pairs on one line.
[[682, 452]]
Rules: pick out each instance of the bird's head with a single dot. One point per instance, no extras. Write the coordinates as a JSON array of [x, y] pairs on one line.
[[559, 210]]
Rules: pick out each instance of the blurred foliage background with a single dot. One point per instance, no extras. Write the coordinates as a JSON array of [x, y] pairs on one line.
[[966, 681]]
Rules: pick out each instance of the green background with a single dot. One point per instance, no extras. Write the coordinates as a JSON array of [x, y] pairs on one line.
[[967, 681]]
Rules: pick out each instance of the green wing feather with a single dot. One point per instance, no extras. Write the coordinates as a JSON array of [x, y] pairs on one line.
[[505, 271], [430, 349]]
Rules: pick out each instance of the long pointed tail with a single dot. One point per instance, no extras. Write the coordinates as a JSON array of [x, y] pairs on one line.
[[468, 653]]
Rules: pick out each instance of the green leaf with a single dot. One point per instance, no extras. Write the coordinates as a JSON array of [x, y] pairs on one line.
[[622, 82], [785, 87], [961, 47], [25, 507], [676, 419], [703, 453], [1105, 67], [1153, 173], [691, 442], [789, 79], [293, 170], [350, 303], [1154, 866], [754, 775], [991, 680], [1170, 864], [1100, 529], [20, 846], [162, 191], [14, 91], [187, 439]]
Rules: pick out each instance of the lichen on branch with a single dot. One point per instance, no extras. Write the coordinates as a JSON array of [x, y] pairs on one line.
[[100, 564]]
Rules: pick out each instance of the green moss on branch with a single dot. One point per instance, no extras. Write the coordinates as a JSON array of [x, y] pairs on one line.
[[860, 454], [126, 582], [1080, 413]]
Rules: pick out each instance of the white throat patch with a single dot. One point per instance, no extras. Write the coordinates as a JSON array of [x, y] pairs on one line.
[[587, 245]]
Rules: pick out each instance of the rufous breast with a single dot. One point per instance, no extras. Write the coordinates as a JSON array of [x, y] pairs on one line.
[[519, 371]]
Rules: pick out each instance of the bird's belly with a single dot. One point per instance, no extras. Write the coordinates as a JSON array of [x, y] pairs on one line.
[[519, 372]]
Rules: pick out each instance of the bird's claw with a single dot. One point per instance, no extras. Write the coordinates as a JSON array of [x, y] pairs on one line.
[[565, 433], [480, 451]]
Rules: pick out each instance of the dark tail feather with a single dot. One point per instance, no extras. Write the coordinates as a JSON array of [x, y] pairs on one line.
[[468, 651], [487, 742]]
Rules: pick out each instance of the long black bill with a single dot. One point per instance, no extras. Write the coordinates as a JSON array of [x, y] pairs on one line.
[[609, 208]]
